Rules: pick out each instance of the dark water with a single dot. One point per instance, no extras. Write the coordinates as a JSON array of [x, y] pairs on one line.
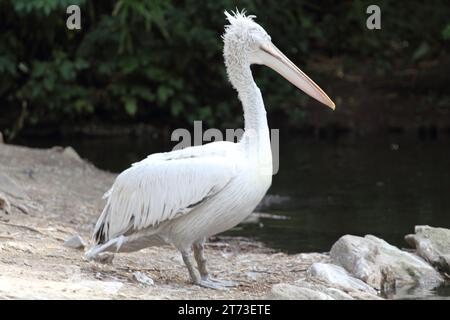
[[382, 187]]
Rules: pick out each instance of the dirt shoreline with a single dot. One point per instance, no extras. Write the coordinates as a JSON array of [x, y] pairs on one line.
[[53, 194]]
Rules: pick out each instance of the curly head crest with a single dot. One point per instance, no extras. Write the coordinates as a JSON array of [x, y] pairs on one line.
[[238, 16]]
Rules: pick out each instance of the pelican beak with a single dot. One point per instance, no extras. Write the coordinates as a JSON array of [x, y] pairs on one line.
[[270, 56]]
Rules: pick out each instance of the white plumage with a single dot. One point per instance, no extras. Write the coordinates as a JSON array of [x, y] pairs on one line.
[[163, 187], [184, 196]]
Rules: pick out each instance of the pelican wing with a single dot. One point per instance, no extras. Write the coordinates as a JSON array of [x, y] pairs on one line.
[[162, 187]]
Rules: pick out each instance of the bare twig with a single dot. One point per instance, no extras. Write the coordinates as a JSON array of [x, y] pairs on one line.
[[21, 207]]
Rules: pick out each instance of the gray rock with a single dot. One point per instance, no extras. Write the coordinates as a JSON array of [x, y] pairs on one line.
[[334, 293], [381, 265], [252, 276], [336, 276], [75, 242], [142, 279], [71, 153], [104, 257], [9, 187], [284, 291], [337, 294], [432, 244]]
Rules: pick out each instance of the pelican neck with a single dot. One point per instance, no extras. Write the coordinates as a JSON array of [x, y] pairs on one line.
[[256, 138], [252, 102]]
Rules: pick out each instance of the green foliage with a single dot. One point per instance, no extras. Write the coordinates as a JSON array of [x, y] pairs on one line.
[[159, 59], [446, 32], [44, 7]]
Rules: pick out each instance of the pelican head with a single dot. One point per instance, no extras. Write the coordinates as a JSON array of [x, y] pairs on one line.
[[247, 43]]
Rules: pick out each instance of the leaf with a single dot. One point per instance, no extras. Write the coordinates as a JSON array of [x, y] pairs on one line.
[[163, 93], [176, 108], [39, 69], [81, 64], [66, 70], [81, 105], [421, 51], [446, 33], [130, 106]]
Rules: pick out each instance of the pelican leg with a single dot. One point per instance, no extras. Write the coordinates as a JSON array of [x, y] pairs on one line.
[[199, 255], [189, 262]]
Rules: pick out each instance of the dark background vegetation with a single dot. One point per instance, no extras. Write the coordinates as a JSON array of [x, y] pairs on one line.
[[159, 63]]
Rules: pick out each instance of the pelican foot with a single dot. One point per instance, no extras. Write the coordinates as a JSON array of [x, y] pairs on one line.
[[217, 284]]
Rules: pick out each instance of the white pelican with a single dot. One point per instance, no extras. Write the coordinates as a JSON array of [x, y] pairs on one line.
[[185, 196]]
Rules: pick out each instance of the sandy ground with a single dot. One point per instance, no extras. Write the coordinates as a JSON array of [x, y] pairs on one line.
[[49, 195]]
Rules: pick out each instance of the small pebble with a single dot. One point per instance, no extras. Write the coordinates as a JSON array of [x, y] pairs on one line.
[[75, 242], [104, 257], [142, 278]]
